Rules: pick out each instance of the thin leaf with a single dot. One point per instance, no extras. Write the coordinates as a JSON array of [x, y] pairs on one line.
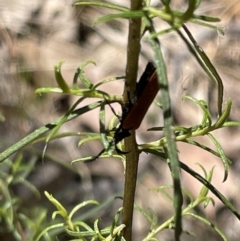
[[81, 205], [5, 193], [219, 195], [59, 124], [61, 210], [220, 30], [208, 177], [107, 80], [168, 130], [30, 186], [205, 148], [174, 18], [48, 90], [55, 226], [144, 213], [162, 190], [115, 220], [59, 78], [92, 158], [124, 15], [92, 137], [210, 67], [206, 120], [155, 152], [204, 220], [231, 123], [101, 4], [82, 76], [222, 155], [222, 118], [204, 171], [97, 231], [207, 201], [40, 131], [102, 128]]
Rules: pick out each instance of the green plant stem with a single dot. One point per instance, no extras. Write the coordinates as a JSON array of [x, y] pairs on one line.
[[42, 130], [170, 147], [130, 143]]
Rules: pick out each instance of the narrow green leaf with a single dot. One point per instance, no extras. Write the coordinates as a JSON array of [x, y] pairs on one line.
[[162, 190], [59, 124], [81, 205], [205, 148], [222, 155], [116, 220], [206, 120], [92, 158], [101, 4], [210, 67], [155, 152], [61, 210], [59, 78], [124, 15], [208, 177], [89, 137], [102, 128], [144, 213], [30, 186], [188, 194], [75, 79], [55, 226], [113, 122], [158, 103], [107, 80], [207, 18], [223, 118], [204, 220], [231, 123], [40, 131], [220, 30], [82, 76], [207, 201], [5, 195], [174, 18], [171, 148], [78, 233], [48, 90], [204, 170], [219, 195], [97, 231]]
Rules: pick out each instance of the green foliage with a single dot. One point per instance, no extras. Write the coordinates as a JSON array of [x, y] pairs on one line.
[[187, 211], [80, 230], [12, 218]]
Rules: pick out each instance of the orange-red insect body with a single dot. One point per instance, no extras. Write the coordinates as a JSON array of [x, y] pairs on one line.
[[146, 90], [134, 111]]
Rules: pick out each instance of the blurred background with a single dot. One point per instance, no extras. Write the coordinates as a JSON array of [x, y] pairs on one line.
[[36, 35]]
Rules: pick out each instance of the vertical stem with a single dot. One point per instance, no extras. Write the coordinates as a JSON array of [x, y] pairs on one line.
[[130, 143], [170, 148]]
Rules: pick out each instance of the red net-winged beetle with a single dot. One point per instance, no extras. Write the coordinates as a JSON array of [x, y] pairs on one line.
[[134, 111]]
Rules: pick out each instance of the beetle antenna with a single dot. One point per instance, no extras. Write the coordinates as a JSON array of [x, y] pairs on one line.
[[96, 157]]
